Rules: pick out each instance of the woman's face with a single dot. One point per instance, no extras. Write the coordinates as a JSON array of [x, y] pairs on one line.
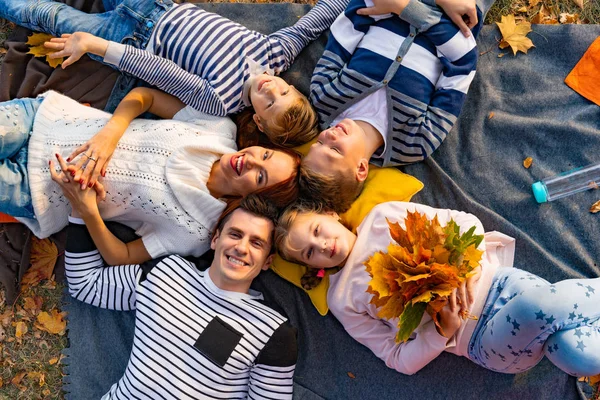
[[253, 168], [319, 240]]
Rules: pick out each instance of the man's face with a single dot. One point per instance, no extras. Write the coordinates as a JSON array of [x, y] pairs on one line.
[[338, 149], [242, 250]]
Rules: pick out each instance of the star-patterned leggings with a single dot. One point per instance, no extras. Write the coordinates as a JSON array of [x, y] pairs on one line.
[[526, 318]]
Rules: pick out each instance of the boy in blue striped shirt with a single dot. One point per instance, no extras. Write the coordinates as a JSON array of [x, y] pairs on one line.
[[388, 89]]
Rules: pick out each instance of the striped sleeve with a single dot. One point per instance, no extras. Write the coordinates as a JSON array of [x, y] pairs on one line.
[[190, 88], [294, 38], [272, 376], [90, 280], [346, 33]]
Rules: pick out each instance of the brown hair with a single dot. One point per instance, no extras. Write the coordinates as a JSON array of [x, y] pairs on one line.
[[297, 125], [256, 205], [287, 219], [336, 191]]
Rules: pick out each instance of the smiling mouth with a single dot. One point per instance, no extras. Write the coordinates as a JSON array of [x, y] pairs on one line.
[[236, 261], [237, 164], [260, 85], [333, 249], [342, 128]]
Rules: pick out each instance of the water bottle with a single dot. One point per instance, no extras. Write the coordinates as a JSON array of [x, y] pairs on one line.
[[567, 183]]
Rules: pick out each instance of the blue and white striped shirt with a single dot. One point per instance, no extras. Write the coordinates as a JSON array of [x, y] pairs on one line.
[[192, 339], [202, 58], [421, 58]]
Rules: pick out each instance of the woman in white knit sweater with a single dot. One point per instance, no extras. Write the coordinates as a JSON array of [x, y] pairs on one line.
[[169, 179]]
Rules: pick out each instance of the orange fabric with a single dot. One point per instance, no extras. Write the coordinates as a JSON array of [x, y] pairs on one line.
[[585, 77], [6, 218]]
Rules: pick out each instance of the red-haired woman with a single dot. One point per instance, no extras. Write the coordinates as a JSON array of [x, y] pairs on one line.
[[168, 179]]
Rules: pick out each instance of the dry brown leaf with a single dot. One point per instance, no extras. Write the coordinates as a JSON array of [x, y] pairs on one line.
[[578, 3], [523, 9], [53, 361], [20, 329], [43, 258], [491, 115], [6, 317], [501, 55], [593, 185], [36, 47], [33, 304], [533, 3], [527, 162], [2, 334], [566, 18], [595, 207], [53, 323], [351, 375], [514, 35], [16, 380], [1, 382], [46, 392]]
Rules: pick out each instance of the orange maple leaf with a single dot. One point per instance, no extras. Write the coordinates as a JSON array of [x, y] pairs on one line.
[[514, 35], [421, 270], [43, 258], [53, 323]]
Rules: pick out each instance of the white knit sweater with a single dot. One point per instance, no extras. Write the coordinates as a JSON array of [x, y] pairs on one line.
[[156, 179]]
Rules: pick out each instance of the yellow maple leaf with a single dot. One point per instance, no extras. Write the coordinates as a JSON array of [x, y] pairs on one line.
[[514, 35], [378, 283], [595, 207], [20, 329], [392, 308], [53, 323], [472, 256], [43, 257], [36, 47]]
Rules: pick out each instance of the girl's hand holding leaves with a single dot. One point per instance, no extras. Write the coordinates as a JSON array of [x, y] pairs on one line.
[[422, 272]]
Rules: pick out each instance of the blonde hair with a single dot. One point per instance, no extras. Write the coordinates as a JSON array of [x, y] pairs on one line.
[[337, 191], [285, 222], [299, 124]]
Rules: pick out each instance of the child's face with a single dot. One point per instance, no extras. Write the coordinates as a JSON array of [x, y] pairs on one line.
[[320, 240], [271, 96], [337, 149]]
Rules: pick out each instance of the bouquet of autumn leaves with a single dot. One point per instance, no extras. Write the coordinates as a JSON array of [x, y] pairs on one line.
[[420, 270]]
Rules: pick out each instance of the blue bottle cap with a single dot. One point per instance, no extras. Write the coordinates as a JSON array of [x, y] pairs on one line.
[[539, 192]]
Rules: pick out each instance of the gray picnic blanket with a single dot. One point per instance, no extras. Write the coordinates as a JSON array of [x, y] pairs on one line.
[[479, 170]]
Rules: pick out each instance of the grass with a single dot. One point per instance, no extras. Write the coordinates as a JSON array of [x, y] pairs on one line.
[[36, 349], [37, 353]]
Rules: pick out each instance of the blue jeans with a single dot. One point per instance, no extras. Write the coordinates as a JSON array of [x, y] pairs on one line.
[[526, 318], [16, 123], [125, 21]]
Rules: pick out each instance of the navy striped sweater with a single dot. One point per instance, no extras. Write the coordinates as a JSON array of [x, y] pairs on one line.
[[202, 58], [421, 58], [192, 340]]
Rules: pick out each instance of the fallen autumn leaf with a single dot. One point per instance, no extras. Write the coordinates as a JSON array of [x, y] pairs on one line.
[[595, 207], [527, 162]]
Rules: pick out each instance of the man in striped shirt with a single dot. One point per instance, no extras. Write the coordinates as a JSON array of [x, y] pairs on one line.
[[198, 334], [397, 80]]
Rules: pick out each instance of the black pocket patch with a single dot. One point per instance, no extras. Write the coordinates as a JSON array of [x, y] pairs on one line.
[[217, 341]]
